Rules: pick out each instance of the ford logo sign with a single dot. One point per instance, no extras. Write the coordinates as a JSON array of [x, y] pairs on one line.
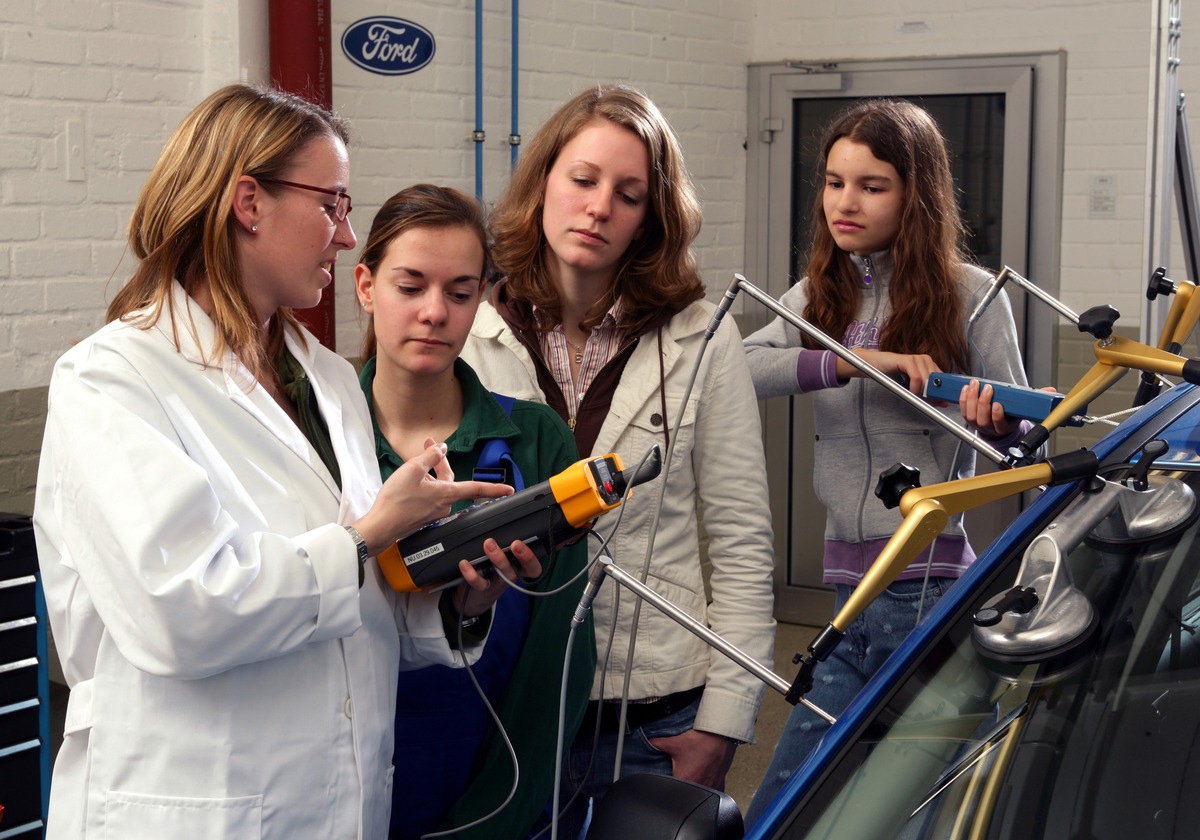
[[388, 45]]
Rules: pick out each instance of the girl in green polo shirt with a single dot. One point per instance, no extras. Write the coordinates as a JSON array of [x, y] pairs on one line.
[[420, 280]]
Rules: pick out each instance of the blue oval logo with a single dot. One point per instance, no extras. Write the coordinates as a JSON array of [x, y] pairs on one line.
[[388, 45]]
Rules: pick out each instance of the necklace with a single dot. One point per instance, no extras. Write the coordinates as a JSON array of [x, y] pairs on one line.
[[578, 350]]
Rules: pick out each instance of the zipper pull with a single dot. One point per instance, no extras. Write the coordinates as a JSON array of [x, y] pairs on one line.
[[867, 276]]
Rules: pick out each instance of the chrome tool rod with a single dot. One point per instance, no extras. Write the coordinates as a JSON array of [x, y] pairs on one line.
[[873, 372], [708, 636], [1051, 301]]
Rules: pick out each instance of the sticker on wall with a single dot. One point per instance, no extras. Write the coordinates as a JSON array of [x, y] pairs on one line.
[[390, 46]]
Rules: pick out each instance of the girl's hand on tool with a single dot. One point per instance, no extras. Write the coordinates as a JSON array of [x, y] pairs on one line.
[[916, 367], [982, 413], [485, 590]]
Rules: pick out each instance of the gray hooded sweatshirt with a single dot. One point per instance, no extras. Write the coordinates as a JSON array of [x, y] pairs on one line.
[[862, 430]]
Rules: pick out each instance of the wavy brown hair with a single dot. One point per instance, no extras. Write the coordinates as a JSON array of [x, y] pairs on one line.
[[658, 272], [182, 229], [419, 206], [926, 308]]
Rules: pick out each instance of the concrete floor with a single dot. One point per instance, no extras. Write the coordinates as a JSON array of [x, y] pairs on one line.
[[748, 766]]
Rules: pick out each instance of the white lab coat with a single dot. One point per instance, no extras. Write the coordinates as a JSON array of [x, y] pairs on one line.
[[228, 677]]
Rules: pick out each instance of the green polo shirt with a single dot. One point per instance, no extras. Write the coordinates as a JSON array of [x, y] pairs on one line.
[[542, 446]]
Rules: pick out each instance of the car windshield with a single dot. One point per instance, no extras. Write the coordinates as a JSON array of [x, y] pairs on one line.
[[1095, 734]]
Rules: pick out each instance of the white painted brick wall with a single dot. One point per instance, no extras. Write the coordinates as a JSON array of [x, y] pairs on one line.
[[128, 71], [1108, 101], [690, 56], [125, 73]]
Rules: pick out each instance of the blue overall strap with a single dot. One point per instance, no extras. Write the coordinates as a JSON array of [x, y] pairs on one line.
[[495, 462]]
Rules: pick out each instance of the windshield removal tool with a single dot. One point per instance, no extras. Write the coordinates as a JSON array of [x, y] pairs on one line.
[[1044, 619], [1019, 401], [1181, 320], [1111, 354], [890, 384], [1114, 357], [545, 516], [926, 511]]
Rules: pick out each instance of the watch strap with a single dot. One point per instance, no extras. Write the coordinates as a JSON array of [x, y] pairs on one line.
[[360, 545]]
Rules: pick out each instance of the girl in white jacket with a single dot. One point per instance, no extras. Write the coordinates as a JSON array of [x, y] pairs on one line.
[[601, 315], [207, 503]]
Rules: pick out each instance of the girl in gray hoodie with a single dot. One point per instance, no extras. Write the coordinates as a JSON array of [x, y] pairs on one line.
[[887, 274]]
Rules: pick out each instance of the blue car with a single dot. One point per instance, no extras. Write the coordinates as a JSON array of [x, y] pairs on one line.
[[1053, 692]]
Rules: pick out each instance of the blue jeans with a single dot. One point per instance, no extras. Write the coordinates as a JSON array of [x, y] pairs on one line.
[[637, 756], [870, 640]]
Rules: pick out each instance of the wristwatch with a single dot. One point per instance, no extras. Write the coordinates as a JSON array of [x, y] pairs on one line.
[[363, 552]]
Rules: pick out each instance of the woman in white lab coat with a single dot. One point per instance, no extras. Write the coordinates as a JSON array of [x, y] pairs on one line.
[[207, 503]]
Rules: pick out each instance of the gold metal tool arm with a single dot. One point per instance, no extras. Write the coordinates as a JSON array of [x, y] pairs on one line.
[[1114, 356], [1180, 321], [1130, 354], [1181, 317], [926, 511], [1099, 378]]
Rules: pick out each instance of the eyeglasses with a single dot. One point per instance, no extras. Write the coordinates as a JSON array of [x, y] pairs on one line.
[[341, 208]]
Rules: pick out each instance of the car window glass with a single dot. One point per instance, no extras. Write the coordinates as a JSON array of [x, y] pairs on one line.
[[1104, 744]]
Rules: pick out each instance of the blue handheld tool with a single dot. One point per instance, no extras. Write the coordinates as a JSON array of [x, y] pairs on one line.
[[1019, 402]]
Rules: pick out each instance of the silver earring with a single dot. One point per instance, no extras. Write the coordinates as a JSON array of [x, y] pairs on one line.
[[254, 228]]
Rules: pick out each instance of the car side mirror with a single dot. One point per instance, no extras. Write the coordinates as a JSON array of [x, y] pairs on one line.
[[650, 807]]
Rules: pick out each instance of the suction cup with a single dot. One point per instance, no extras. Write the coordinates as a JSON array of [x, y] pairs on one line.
[[1053, 627], [1044, 619], [1150, 520], [1009, 657]]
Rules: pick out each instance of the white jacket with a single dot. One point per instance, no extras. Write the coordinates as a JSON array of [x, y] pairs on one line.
[[228, 677], [717, 459]]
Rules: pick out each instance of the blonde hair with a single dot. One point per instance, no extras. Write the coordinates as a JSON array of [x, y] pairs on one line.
[[182, 229], [658, 271]]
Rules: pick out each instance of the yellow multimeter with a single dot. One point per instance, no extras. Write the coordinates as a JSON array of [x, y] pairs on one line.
[[546, 516]]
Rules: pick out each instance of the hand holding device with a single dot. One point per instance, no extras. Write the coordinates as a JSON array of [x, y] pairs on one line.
[[1020, 402], [544, 517], [479, 591]]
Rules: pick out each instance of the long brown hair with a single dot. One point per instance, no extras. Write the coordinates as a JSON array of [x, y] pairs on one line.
[[421, 205], [658, 271], [182, 229], [927, 252]]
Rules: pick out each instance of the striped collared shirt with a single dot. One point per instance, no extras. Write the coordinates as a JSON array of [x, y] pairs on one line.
[[602, 344]]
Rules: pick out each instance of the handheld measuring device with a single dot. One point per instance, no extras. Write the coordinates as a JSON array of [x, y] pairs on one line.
[[546, 516], [1020, 403]]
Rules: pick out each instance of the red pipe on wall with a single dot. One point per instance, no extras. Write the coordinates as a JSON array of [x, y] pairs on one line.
[[301, 59]]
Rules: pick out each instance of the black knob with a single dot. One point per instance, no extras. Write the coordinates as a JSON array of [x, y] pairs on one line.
[[1151, 452], [1019, 599], [1098, 321], [1160, 284], [894, 482]]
